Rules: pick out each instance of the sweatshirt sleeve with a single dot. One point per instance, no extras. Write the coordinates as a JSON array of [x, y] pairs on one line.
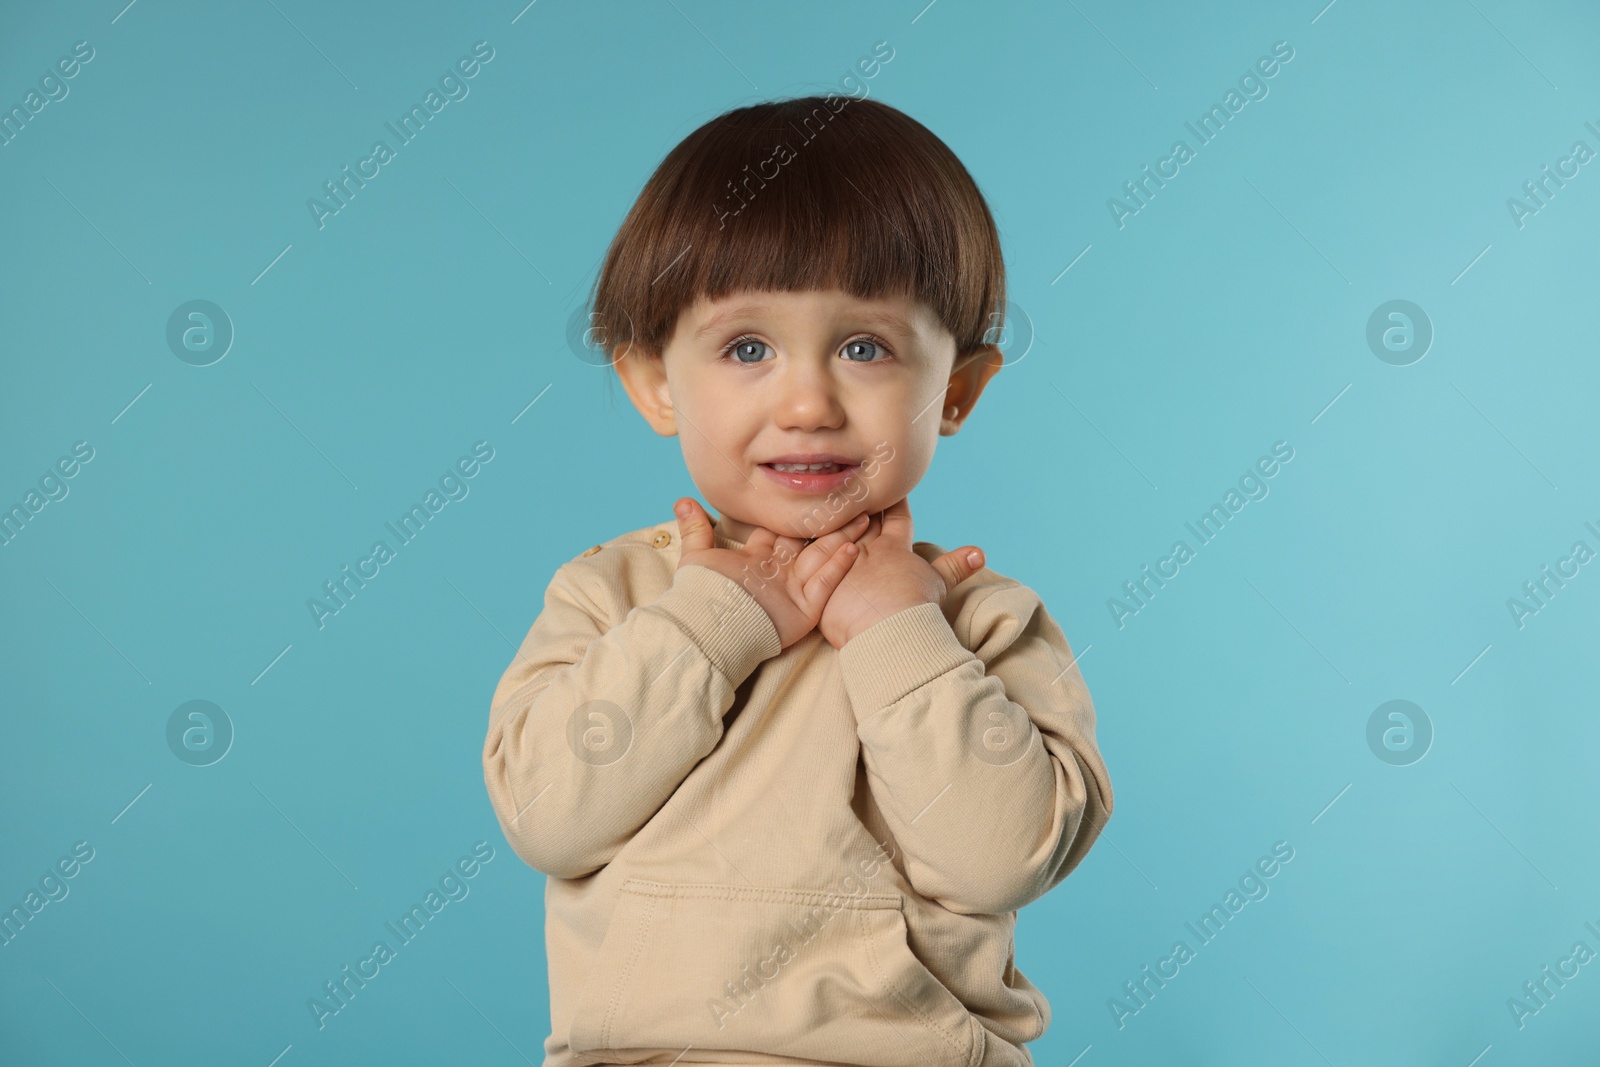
[[596, 722], [981, 749]]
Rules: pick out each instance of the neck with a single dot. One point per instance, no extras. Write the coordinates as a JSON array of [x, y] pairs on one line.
[[733, 529]]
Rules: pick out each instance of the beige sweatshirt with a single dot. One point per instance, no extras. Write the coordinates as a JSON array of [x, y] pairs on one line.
[[800, 856]]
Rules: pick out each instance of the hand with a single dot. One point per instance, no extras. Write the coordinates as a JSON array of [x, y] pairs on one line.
[[889, 577], [790, 578]]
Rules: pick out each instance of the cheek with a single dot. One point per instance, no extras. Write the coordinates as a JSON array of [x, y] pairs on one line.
[[705, 459], [703, 424], [900, 473], [910, 441], [715, 445]]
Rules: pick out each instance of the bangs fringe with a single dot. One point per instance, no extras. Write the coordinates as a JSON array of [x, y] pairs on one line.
[[819, 192]]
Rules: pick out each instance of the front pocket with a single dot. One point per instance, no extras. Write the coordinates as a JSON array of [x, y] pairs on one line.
[[791, 972]]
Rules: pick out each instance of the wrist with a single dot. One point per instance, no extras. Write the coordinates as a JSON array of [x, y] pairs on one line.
[[883, 613]]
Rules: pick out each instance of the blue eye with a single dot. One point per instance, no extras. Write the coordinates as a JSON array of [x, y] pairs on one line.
[[854, 348], [862, 350], [745, 346]]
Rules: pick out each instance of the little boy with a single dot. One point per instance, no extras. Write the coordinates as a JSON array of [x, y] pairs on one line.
[[789, 772]]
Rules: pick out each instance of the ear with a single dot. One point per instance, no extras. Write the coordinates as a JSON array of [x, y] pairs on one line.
[[644, 376], [971, 374]]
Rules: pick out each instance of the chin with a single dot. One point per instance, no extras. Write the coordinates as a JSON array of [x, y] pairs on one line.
[[821, 520], [806, 521]]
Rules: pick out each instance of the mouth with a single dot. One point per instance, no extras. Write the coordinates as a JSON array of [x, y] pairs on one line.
[[810, 473]]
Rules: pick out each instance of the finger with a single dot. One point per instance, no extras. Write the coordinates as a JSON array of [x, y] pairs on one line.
[[850, 531], [819, 589], [694, 526], [760, 541], [874, 528], [787, 548], [818, 552], [773, 554], [956, 567]]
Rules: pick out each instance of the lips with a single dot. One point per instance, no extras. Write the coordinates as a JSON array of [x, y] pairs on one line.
[[814, 478], [811, 458], [806, 468]]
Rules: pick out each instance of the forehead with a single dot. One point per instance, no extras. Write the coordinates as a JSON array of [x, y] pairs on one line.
[[826, 307]]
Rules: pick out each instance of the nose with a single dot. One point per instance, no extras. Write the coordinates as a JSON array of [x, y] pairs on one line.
[[808, 398]]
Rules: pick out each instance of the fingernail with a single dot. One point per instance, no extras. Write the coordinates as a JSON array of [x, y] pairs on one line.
[[682, 508], [975, 558]]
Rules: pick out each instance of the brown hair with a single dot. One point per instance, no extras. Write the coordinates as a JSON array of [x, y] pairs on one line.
[[815, 192]]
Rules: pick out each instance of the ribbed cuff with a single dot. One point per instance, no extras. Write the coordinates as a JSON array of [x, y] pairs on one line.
[[893, 656], [721, 617]]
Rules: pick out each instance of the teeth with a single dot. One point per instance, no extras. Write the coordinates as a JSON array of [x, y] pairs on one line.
[[793, 468]]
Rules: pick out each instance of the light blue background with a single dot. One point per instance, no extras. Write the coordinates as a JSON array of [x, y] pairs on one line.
[[427, 315]]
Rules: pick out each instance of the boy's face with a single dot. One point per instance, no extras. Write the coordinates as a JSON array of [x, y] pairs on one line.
[[757, 378]]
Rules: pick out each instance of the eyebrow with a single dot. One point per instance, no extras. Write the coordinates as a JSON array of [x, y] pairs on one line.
[[719, 321], [716, 322]]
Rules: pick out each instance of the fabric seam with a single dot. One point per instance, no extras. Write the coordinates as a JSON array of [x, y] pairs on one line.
[[926, 1020], [627, 976]]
